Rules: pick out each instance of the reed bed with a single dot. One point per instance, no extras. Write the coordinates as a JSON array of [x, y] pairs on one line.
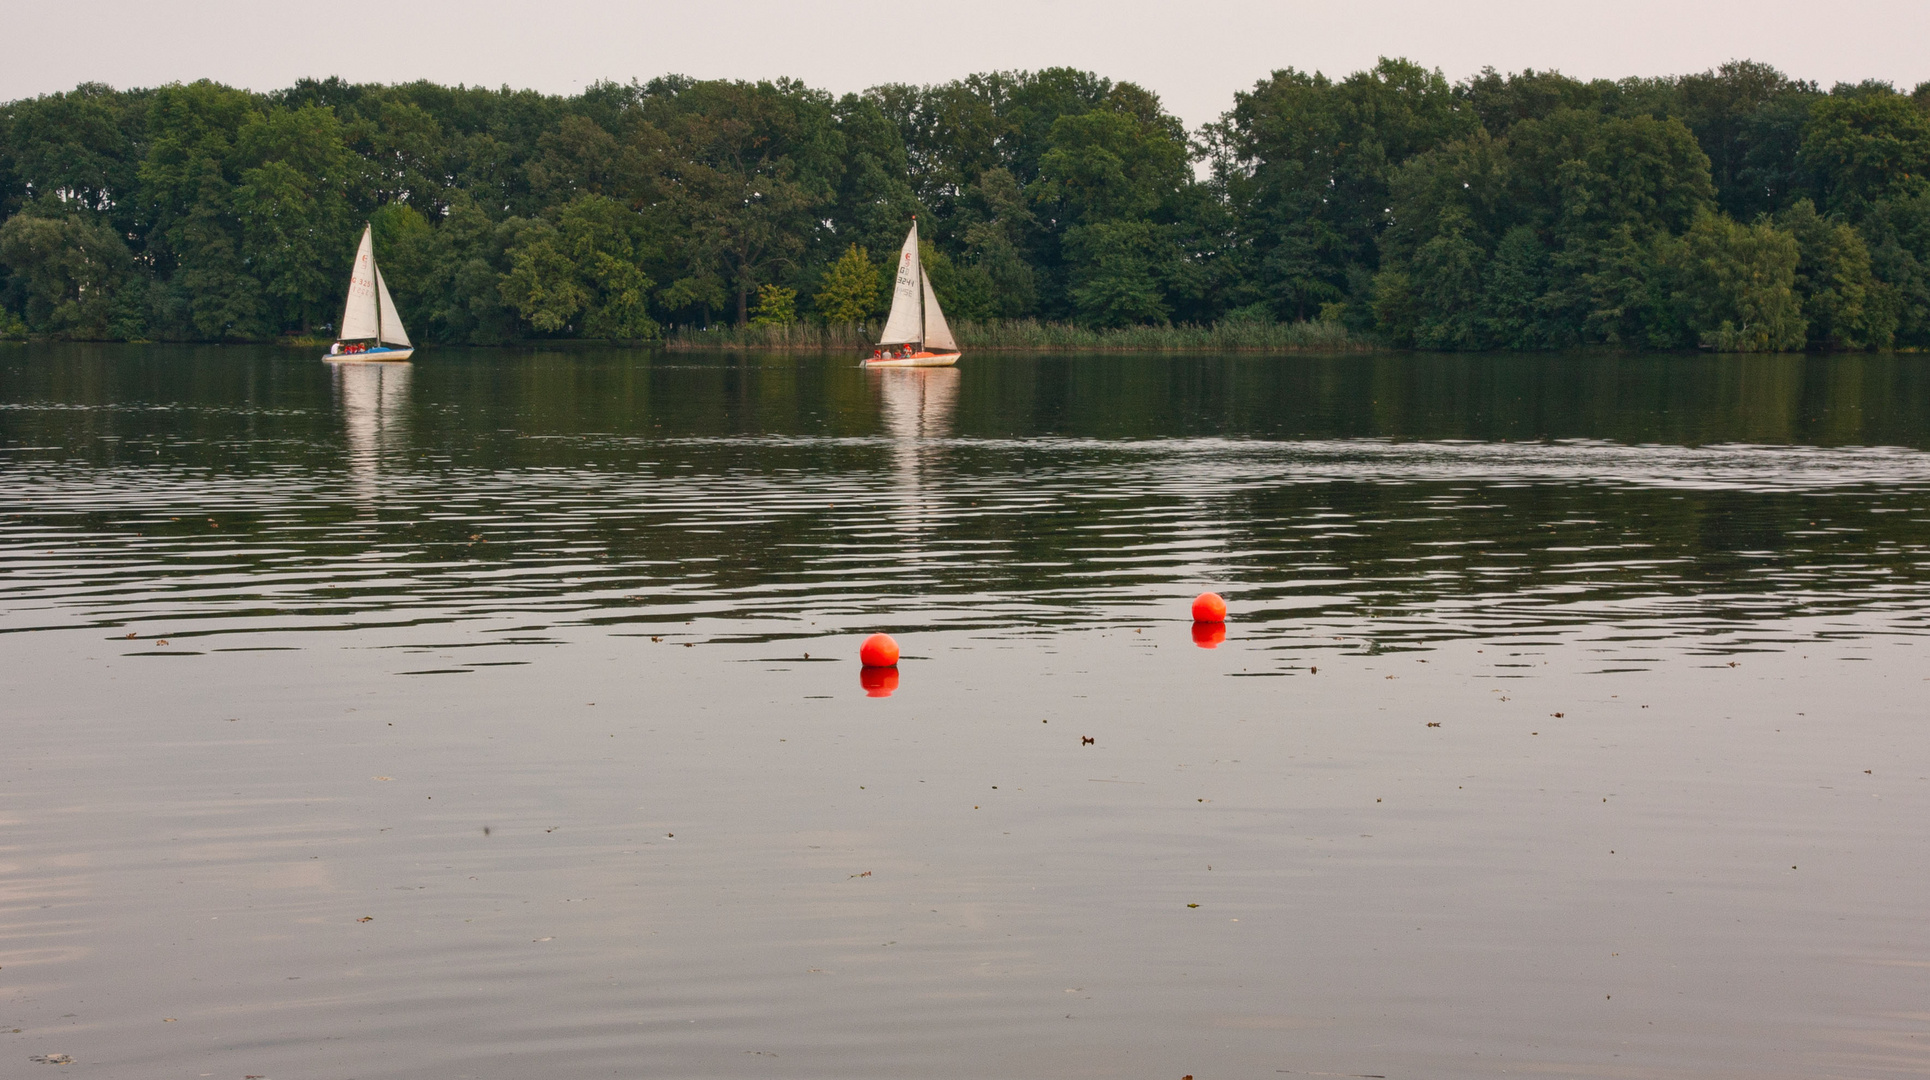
[[1022, 334]]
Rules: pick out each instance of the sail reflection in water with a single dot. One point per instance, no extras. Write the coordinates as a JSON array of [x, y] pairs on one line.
[[918, 407], [374, 400]]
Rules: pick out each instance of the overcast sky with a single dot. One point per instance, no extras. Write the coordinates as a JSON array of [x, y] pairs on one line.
[[1194, 55]]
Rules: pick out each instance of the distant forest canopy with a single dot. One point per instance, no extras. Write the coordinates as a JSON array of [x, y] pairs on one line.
[[1737, 209]]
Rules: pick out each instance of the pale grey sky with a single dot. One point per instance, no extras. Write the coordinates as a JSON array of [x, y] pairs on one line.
[[1194, 55]]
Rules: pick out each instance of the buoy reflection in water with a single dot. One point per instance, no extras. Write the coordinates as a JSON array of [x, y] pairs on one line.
[[878, 681]]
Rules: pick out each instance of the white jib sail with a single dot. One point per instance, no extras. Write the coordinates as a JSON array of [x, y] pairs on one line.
[[905, 323], [358, 315], [937, 334], [392, 332]]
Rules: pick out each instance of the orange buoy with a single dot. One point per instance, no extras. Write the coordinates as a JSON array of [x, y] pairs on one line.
[[878, 650], [1208, 635], [878, 681], [1208, 607]]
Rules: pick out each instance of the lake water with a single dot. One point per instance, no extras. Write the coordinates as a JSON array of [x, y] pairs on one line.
[[500, 717]]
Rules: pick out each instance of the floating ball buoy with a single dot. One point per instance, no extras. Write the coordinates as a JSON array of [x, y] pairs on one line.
[[1208, 635], [878, 681], [878, 650], [1208, 607]]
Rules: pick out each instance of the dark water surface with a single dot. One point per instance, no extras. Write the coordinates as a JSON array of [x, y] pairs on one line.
[[1571, 719]]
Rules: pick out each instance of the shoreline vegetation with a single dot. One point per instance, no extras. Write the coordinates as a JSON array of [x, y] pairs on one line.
[[1735, 210], [1024, 334]]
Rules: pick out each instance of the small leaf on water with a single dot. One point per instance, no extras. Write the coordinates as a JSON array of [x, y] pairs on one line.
[[1192, 905], [366, 918]]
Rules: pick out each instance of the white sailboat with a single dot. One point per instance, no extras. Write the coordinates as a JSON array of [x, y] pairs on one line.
[[371, 330], [915, 332]]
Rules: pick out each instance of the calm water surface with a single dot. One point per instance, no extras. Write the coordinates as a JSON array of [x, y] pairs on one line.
[[498, 716]]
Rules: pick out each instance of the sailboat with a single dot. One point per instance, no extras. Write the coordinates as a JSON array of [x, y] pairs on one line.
[[915, 331], [371, 330]]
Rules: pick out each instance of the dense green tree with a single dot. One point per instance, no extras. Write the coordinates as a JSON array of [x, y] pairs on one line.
[[1516, 303], [776, 306], [449, 279], [70, 276], [848, 292], [874, 198], [584, 272], [78, 149], [1865, 147], [749, 166], [1119, 273], [1110, 187], [997, 242], [964, 290], [1307, 166], [1583, 174], [1748, 117], [1584, 199], [1897, 232], [1843, 303], [291, 205], [1737, 286]]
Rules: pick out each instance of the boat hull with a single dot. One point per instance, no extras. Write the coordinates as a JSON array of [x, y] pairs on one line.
[[923, 359], [372, 356]]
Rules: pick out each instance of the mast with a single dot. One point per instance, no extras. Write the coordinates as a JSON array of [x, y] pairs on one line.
[[921, 288], [369, 228]]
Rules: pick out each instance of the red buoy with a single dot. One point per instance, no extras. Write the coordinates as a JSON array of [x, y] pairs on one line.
[[878, 681], [878, 650], [1208, 607]]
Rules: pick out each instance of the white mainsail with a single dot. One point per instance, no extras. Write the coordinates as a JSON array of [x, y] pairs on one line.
[[905, 324], [370, 311], [937, 334], [359, 318], [392, 332]]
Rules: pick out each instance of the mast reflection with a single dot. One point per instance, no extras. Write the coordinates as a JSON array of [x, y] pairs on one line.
[[374, 400], [918, 406]]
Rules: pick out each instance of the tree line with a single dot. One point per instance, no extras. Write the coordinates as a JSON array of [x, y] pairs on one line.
[[1738, 209]]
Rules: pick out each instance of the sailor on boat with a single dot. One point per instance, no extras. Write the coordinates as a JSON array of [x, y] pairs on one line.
[[371, 329], [915, 332]]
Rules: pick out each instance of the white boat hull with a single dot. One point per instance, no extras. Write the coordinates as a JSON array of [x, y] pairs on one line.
[[914, 360], [371, 356]]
